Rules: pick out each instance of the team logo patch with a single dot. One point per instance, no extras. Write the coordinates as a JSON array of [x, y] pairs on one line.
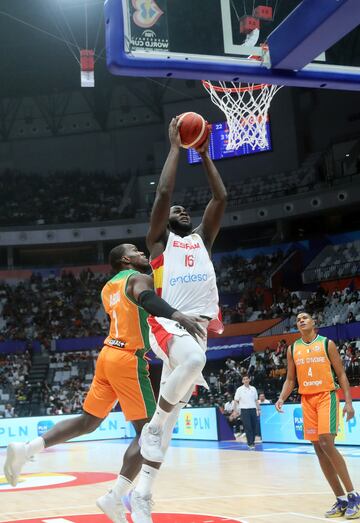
[[158, 518], [50, 480]]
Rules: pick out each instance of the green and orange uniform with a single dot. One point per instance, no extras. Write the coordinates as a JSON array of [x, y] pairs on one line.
[[122, 371], [317, 386]]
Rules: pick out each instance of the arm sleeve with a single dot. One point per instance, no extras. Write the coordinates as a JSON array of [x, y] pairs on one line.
[[155, 305]]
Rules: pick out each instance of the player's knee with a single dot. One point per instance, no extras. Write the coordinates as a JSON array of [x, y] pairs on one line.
[[196, 362], [89, 422], [324, 443]]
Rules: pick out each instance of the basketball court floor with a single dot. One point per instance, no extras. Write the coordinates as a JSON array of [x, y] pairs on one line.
[[201, 482]]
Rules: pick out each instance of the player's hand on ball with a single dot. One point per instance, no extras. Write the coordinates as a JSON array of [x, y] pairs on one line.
[[204, 148], [174, 135]]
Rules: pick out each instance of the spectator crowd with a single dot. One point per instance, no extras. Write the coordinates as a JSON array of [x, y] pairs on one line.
[[52, 308], [76, 197]]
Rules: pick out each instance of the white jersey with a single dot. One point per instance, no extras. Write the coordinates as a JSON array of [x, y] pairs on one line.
[[184, 276]]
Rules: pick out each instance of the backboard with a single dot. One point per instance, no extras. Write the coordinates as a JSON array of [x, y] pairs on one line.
[[314, 43]]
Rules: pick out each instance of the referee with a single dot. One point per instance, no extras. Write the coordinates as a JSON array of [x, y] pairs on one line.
[[246, 400]]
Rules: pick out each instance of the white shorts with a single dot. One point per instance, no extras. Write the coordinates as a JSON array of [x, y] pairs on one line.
[[170, 341]]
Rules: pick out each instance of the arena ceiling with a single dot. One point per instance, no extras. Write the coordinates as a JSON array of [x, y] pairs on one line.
[[40, 42], [39, 52]]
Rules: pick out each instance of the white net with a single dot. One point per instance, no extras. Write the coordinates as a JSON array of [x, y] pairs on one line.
[[246, 109]]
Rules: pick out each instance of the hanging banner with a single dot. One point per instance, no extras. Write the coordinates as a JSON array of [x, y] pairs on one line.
[[87, 65], [148, 25]]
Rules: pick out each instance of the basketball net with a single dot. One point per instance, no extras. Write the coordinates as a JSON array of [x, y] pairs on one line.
[[246, 109]]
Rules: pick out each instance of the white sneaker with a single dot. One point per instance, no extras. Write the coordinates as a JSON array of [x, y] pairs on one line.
[[112, 507], [16, 457], [150, 443], [140, 507]]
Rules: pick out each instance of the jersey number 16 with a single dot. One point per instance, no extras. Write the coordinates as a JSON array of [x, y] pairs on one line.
[[189, 260]]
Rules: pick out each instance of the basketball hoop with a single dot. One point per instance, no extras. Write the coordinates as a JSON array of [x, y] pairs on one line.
[[246, 109]]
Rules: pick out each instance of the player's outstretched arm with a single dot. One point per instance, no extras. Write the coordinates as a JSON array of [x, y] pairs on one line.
[[141, 289], [338, 366], [289, 383], [211, 221], [161, 208]]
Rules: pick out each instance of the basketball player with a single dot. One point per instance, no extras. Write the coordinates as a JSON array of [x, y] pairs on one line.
[[121, 374], [183, 275], [313, 361]]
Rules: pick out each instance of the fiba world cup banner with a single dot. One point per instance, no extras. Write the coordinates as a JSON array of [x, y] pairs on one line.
[[148, 25]]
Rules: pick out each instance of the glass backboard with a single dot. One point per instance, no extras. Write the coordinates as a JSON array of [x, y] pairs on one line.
[[223, 40]]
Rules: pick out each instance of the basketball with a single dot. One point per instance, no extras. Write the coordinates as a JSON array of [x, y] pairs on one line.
[[194, 130]]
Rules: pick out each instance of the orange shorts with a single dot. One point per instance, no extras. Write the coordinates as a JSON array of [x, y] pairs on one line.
[[123, 376], [320, 413]]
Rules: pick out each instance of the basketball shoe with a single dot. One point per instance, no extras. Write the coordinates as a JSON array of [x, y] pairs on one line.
[[139, 507], [150, 444], [338, 509], [16, 456], [353, 506], [112, 507]]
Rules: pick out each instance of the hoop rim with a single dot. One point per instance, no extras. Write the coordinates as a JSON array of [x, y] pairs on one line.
[[251, 87]]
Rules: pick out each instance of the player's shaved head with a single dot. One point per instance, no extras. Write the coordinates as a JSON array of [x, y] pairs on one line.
[[116, 255]]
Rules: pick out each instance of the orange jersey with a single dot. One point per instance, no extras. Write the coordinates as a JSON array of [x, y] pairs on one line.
[[313, 367], [129, 330]]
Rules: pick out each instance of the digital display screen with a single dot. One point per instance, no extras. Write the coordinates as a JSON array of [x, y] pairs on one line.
[[218, 141]]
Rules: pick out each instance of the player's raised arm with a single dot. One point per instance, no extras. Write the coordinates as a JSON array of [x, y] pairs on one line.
[[160, 211], [211, 221], [342, 378], [289, 383]]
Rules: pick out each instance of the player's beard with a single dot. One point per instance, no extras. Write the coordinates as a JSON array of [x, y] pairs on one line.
[[180, 227]]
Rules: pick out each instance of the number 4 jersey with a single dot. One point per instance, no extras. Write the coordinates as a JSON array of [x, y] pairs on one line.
[[313, 367]]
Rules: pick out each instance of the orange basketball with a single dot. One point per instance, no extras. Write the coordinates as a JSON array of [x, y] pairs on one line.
[[194, 130]]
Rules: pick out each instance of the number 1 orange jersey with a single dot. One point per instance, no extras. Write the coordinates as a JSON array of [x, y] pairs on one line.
[[313, 367], [128, 328]]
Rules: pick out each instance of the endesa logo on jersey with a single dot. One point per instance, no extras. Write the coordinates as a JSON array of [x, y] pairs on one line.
[[188, 278]]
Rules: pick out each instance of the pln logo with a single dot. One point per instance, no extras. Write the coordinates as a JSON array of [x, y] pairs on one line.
[[44, 426], [298, 423], [188, 423], [147, 13]]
